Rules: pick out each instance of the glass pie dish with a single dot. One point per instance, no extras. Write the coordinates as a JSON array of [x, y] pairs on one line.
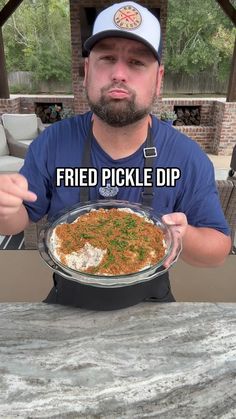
[[46, 250]]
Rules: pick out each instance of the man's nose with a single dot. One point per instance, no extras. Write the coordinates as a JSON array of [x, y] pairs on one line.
[[119, 71]]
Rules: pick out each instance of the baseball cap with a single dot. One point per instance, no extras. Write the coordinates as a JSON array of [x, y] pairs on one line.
[[127, 20]]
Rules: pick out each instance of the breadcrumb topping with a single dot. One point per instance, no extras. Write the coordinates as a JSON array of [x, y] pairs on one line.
[[109, 242]]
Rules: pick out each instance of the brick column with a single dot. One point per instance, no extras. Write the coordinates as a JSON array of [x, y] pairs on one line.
[[80, 104], [225, 128], [10, 105]]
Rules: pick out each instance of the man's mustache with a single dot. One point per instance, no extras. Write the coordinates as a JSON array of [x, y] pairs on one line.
[[119, 85]]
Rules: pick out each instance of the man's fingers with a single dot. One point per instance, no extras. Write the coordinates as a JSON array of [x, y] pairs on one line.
[[17, 186], [174, 254], [19, 180], [176, 218], [177, 245], [168, 219], [22, 194], [29, 196]]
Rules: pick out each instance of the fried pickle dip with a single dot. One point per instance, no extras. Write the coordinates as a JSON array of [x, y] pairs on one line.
[[115, 241]]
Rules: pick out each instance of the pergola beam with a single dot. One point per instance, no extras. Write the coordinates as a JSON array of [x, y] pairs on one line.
[[8, 9], [231, 94], [4, 89], [229, 9], [5, 13]]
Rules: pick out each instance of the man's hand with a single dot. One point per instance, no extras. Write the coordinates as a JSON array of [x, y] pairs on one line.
[[177, 221], [13, 215], [201, 246], [13, 190]]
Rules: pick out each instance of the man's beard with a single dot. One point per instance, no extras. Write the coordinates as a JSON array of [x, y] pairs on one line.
[[119, 113]]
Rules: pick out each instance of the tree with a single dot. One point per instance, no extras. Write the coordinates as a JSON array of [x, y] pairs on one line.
[[199, 37], [37, 39]]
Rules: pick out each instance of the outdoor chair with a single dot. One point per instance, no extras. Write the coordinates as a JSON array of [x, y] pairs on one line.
[[11, 156], [23, 128]]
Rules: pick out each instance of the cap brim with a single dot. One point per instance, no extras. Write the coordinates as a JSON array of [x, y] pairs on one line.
[[90, 42]]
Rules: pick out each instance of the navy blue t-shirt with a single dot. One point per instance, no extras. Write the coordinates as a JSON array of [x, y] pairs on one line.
[[62, 145]]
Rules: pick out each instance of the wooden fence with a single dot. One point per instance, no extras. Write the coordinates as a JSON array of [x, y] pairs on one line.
[[201, 83], [20, 78]]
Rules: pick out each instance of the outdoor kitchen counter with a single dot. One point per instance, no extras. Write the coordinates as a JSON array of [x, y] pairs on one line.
[[173, 360]]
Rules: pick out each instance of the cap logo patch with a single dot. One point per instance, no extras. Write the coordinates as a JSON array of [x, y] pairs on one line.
[[127, 18]]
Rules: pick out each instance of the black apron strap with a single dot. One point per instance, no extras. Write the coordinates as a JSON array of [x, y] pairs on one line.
[[150, 154], [86, 162]]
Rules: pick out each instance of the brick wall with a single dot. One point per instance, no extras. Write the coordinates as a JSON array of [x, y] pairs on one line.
[[225, 123], [80, 103], [202, 135], [10, 105], [27, 103], [207, 107], [217, 132]]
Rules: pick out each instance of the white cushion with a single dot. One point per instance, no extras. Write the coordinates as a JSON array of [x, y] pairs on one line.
[[10, 164], [21, 126], [4, 150], [27, 142]]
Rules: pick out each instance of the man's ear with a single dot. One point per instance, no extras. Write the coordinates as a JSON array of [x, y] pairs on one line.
[[86, 63], [160, 74]]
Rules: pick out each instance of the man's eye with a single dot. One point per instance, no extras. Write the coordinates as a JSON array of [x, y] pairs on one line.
[[108, 58], [136, 63]]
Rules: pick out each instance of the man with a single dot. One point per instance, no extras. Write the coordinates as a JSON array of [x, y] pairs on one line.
[[123, 75]]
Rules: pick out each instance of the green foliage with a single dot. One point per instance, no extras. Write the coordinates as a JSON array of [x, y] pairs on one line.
[[37, 39], [200, 37], [66, 113], [167, 115], [21, 88]]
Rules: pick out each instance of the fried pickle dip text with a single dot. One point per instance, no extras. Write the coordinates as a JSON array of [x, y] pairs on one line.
[[115, 241]]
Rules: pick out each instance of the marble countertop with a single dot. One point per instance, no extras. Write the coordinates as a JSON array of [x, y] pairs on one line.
[[152, 360]]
